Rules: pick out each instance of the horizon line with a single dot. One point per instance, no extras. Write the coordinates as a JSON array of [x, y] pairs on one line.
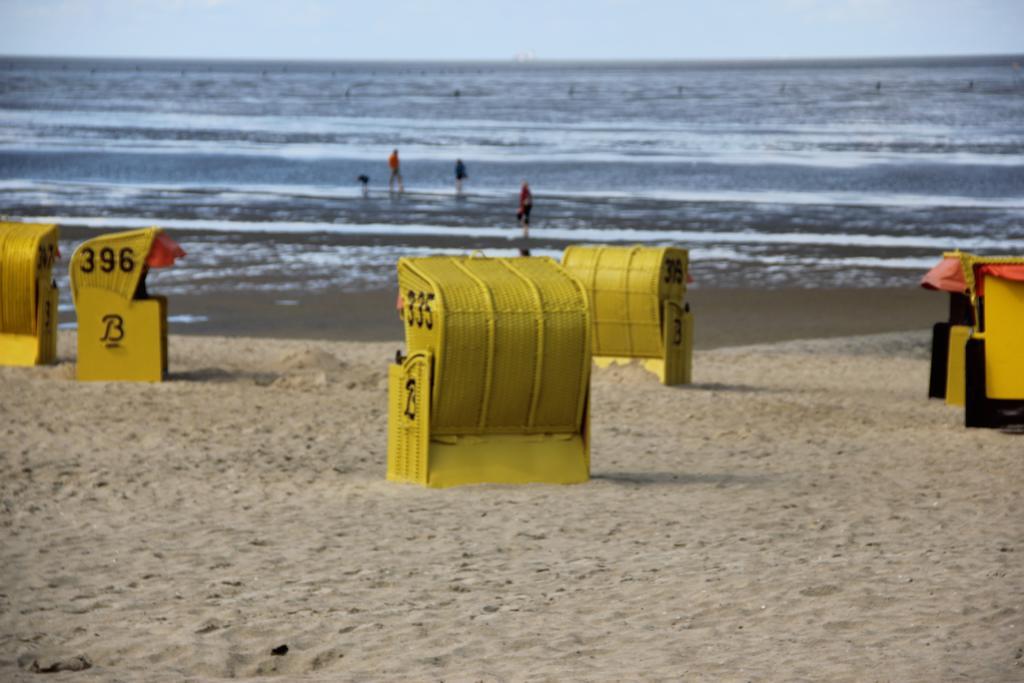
[[535, 60]]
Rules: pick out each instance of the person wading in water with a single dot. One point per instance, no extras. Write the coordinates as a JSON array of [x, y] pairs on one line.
[[460, 175], [396, 173], [525, 206]]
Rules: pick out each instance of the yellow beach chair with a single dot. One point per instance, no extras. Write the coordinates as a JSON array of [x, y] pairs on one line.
[[122, 330], [28, 294], [496, 383], [987, 368], [636, 294]]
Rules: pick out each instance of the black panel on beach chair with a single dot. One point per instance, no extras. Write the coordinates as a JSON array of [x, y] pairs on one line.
[[977, 412], [960, 311], [979, 409], [939, 364]]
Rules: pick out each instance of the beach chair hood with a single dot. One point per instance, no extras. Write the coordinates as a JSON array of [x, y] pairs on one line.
[[27, 252], [114, 262], [28, 294], [964, 273]]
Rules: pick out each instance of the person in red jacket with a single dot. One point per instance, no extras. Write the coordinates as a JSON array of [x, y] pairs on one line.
[[396, 172], [525, 206]]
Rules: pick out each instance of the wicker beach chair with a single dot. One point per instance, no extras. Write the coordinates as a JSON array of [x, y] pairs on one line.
[[496, 382], [122, 330], [28, 294], [983, 350], [636, 295]]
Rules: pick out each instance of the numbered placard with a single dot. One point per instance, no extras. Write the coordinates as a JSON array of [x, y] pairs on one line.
[[108, 260], [418, 311], [674, 271]]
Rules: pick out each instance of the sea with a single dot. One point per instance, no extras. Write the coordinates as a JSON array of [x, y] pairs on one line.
[[812, 174]]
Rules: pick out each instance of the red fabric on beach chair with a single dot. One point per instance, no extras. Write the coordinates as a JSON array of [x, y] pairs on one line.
[[947, 276], [163, 252], [1006, 271]]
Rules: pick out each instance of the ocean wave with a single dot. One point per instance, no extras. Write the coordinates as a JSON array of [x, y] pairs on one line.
[[537, 151], [248, 193], [845, 144], [579, 235]]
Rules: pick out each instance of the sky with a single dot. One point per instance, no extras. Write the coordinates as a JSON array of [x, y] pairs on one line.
[[501, 29]]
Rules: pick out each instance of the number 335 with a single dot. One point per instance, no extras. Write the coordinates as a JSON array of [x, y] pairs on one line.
[[417, 309]]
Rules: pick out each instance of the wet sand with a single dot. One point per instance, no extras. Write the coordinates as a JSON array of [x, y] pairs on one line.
[[724, 317], [801, 512], [296, 286]]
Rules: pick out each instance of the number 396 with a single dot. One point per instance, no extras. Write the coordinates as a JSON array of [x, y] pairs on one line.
[[124, 259]]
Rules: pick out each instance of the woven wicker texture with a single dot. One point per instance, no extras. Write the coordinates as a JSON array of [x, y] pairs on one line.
[[112, 262], [408, 428], [510, 339], [627, 287], [27, 252]]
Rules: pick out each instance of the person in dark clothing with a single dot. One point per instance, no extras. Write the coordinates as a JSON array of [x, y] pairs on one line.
[[523, 214], [460, 175]]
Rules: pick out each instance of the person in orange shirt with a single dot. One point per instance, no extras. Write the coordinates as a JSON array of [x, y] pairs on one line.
[[396, 172]]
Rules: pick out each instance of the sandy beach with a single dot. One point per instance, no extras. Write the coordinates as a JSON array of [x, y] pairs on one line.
[[801, 512]]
